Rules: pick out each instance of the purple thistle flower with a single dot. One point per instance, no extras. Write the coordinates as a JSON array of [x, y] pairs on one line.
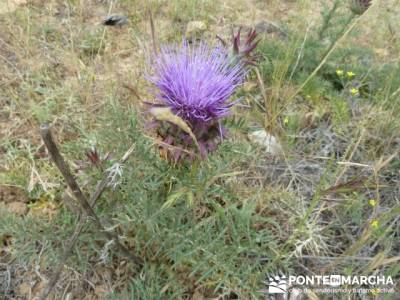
[[196, 82]]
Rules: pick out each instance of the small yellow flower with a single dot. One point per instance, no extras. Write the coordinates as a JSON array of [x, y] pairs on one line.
[[375, 224], [372, 202], [354, 91], [350, 74], [375, 291], [286, 120], [339, 72]]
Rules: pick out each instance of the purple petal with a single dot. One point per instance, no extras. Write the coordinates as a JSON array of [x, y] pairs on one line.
[[196, 82]]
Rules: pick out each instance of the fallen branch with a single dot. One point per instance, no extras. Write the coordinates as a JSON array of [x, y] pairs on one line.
[[86, 205]]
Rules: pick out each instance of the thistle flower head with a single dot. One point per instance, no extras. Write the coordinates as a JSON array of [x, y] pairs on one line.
[[358, 7], [196, 82]]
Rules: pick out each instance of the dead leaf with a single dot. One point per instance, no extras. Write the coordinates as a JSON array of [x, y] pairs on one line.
[[165, 114]]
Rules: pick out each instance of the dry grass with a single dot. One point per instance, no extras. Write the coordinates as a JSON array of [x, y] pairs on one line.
[[307, 211]]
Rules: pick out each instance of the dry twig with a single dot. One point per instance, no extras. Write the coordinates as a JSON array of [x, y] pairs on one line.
[[86, 205]]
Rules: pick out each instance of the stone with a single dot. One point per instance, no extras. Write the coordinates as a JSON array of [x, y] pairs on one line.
[[267, 141]]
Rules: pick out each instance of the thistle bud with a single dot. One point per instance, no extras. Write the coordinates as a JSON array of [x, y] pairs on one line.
[[358, 7], [242, 49]]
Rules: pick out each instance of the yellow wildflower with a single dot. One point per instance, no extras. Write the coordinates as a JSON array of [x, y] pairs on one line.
[[286, 120], [372, 202], [375, 291], [375, 224], [339, 72], [351, 74], [354, 91]]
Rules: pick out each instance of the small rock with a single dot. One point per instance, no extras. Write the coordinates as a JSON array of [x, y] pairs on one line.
[[17, 208], [267, 141], [195, 30]]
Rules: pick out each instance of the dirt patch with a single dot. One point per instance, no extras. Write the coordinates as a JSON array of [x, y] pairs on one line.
[[15, 200], [10, 194]]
